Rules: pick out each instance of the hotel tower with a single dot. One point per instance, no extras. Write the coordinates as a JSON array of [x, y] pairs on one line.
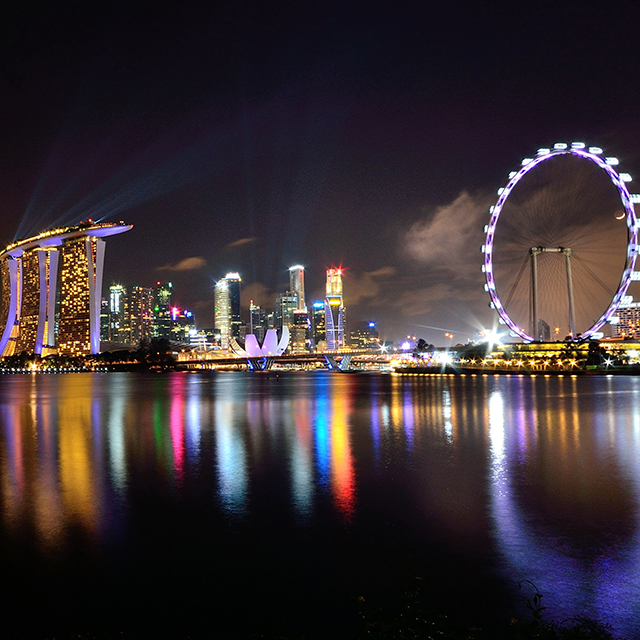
[[51, 290]]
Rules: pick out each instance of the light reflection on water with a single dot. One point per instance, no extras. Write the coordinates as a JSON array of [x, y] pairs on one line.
[[556, 461]]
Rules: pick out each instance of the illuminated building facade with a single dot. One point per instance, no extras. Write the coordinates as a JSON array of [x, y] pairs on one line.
[[234, 281], [104, 320], [51, 286], [182, 324], [629, 321], [334, 311], [300, 331], [162, 310], [257, 321], [318, 326], [365, 336], [119, 329], [296, 284], [141, 309], [226, 308], [286, 305]]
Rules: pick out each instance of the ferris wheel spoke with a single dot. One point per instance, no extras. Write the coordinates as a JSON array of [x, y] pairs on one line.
[[523, 266], [593, 275]]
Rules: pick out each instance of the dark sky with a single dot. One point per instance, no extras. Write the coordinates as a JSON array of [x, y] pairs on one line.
[[253, 136]]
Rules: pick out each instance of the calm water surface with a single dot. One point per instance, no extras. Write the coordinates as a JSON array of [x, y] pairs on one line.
[[230, 503]]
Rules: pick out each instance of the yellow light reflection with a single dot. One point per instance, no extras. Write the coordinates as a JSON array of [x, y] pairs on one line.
[[342, 476], [76, 469]]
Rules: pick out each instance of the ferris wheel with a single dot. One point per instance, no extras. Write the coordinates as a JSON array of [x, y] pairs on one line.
[[561, 244]]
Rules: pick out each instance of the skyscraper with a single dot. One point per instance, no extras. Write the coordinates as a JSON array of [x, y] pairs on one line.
[[334, 282], [334, 310], [286, 304], [119, 327], [296, 284], [235, 321], [300, 332], [51, 290], [319, 327], [257, 321], [162, 310], [221, 311], [104, 320], [141, 310], [226, 300]]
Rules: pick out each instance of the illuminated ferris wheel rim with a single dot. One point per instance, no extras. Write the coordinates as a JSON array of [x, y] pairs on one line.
[[594, 155]]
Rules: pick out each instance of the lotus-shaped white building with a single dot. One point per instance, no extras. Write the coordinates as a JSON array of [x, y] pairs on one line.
[[269, 348]]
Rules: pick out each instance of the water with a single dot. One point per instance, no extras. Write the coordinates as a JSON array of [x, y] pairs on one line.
[[219, 505]]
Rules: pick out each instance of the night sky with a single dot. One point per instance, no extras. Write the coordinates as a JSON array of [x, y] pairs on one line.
[[252, 136]]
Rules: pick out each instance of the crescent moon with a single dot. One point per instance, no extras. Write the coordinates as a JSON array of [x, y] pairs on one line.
[[621, 216]]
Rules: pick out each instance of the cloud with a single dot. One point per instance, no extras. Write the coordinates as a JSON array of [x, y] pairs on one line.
[[452, 235], [188, 264], [424, 300], [366, 285], [240, 243]]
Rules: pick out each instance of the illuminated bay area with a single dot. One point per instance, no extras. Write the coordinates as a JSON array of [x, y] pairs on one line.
[[216, 504]]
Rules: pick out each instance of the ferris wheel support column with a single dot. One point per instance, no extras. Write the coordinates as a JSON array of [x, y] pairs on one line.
[[533, 252], [572, 316]]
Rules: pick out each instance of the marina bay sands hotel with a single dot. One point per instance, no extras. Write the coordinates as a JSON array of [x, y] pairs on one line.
[[51, 290]]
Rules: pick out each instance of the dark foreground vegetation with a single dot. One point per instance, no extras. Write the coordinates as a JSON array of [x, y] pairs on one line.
[[412, 618], [151, 355]]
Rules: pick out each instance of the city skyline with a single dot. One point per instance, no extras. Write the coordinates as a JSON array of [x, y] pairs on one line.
[[253, 139]]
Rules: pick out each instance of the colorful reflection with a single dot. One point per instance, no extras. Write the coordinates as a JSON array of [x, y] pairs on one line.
[[322, 431], [565, 501], [78, 484], [116, 442], [231, 458], [302, 481], [343, 482], [176, 426], [545, 470]]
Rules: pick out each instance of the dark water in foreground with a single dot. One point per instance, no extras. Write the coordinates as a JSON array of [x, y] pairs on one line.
[[219, 504]]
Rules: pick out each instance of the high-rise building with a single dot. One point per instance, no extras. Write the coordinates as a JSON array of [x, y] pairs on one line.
[[183, 322], [141, 310], [227, 308], [286, 304], [365, 336], [544, 331], [334, 311], [222, 312], [300, 332], [104, 320], [318, 326], [119, 327], [51, 290], [334, 282], [162, 310], [296, 284], [234, 280], [257, 321]]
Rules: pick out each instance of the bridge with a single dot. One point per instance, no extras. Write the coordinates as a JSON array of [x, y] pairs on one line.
[[339, 361]]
